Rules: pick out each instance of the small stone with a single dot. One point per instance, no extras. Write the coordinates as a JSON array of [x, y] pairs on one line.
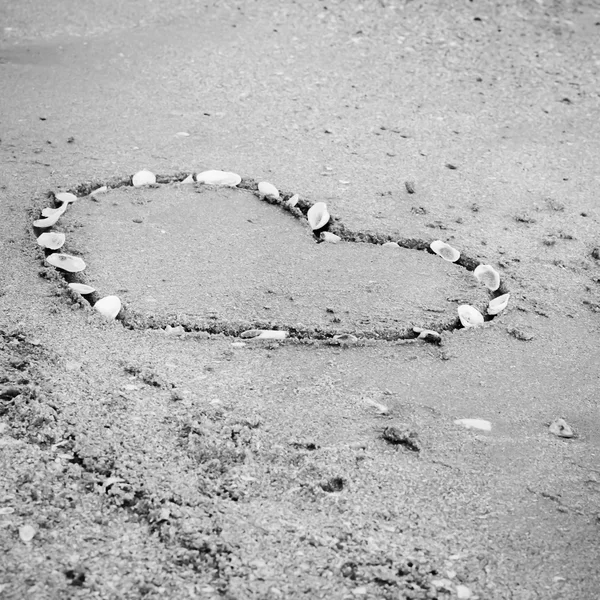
[[402, 435], [519, 334], [463, 592]]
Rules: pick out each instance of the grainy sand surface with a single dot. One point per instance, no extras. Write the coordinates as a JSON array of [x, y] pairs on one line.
[[152, 464]]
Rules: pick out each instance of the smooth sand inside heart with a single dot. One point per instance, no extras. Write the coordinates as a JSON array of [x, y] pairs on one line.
[[204, 252]]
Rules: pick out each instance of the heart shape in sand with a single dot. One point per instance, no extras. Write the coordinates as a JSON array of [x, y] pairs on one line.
[[212, 256]]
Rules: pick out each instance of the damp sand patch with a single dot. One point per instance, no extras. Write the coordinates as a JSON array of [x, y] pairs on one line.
[[197, 254]]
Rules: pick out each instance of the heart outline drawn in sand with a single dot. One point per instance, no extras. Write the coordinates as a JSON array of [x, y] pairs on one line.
[[325, 228]]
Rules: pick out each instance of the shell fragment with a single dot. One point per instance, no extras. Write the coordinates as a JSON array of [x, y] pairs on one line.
[[66, 197], [428, 335], [53, 218], [268, 189], [109, 306], [487, 275], [66, 262], [293, 201], [469, 316], [264, 334], [474, 424], [99, 191], [214, 177], [52, 240], [497, 305], [330, 237], [82, 288], [142, 178], [444, 250], [318, 215], [561, 428], [188, 179]]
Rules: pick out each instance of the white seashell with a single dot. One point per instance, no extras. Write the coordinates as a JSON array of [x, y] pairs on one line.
[[50, 212], [444, 250], [561, 428], [182, 134], [293, 201], [382, 409], [330, 237], [109, 306], [66, 197], [99, 191], [317, 215], [469, 316], [188, 179], [52, 219], [271, 335], [345, 338], [268, 189], [27, 533], [66, 262], [497, 305], [81, 288], [53, 240], [264, 334], [142, 178], [427, 334], [214, 177], [474, 424], [487, 275], [392, 245]]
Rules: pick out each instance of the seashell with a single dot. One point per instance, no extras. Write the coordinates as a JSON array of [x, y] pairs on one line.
[[317, 215], [66, 262], [49, 212], [268, 189], [27, 533], [330, 237], [98, 191], [81, 288], [142, 178], [345, 338], [182, 134], [178, 330], [214, 177], [188, 179], [428, 335], [382, 409], [561, 428], [52, 240], [52, 219], [487, 275], [264, 334], [497, 305], [250, 333], [293, 201], [393, 245], [474, 424], [109, 306], [444, 250], [65, 197], [469, 316]]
